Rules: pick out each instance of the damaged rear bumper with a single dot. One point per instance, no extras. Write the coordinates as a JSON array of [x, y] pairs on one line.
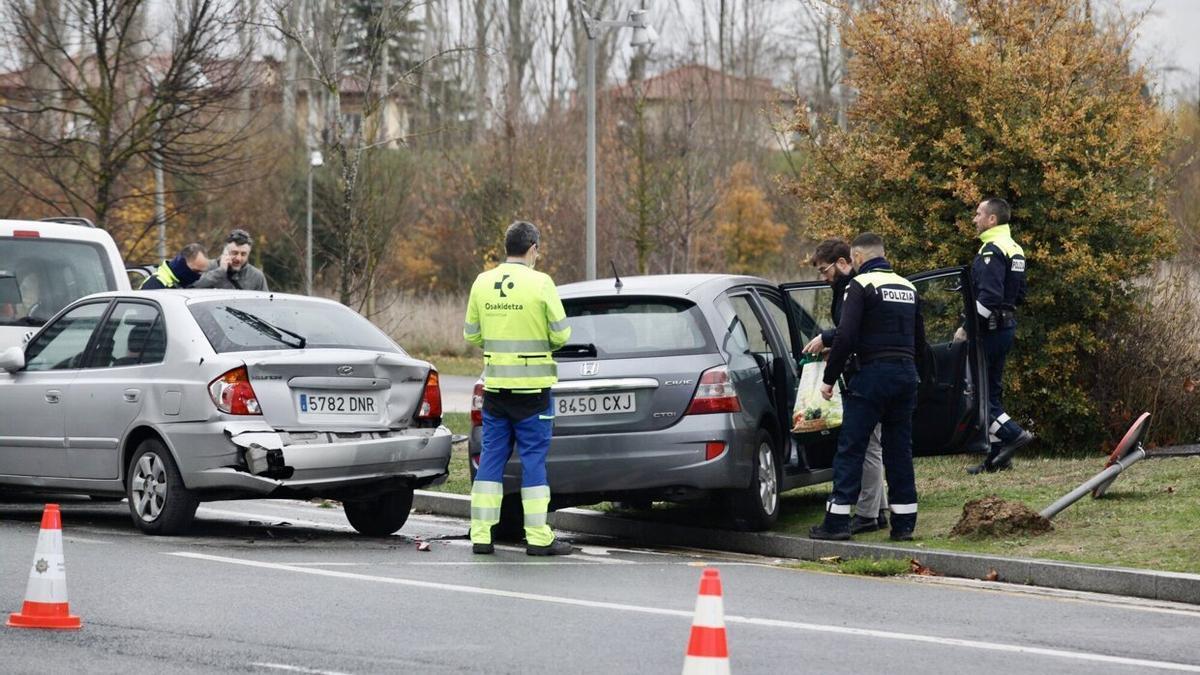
[[255, 459]]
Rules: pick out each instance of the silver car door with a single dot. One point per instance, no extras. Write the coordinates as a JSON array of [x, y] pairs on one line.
[[109, 393], [33, 425]]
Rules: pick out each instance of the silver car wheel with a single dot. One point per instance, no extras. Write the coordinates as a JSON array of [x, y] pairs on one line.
[[768, 485], [149, 487]]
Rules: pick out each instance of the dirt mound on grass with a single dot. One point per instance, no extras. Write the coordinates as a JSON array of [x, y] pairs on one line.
[[996, 517]]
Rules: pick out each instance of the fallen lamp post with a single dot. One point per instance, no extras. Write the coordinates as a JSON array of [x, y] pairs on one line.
[[1127, 453]]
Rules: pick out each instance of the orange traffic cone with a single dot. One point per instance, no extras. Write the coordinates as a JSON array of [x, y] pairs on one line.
[[707, 652], [46, 595]]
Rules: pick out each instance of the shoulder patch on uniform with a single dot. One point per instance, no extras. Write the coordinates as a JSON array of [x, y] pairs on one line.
[[987, 258], [1018, 265]]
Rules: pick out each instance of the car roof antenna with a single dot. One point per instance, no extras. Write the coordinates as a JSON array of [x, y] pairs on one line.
[[616, 276]]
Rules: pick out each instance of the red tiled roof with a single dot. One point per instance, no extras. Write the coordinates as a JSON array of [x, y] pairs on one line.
[[695, 80]]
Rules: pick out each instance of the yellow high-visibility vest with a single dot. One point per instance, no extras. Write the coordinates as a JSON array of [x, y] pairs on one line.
[[516, 316]]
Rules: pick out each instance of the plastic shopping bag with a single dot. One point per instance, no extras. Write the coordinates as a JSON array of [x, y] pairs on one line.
[[812, 412]]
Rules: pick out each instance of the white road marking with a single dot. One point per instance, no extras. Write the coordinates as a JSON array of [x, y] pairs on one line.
[[72, 539], [734, 619], [296, 669], [268, 519]]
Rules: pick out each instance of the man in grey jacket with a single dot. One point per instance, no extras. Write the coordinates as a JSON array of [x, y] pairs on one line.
[[233, 270]]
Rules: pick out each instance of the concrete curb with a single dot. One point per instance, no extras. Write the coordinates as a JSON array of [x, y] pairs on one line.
[[1170, 586]]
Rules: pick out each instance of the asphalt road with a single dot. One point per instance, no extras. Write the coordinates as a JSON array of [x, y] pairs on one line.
[[248, 593], [456, 392]]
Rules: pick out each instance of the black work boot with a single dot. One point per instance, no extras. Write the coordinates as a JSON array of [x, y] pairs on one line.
[[483, 549], [861, 525], [556, 547], [882, 520], [1004, 454], [835, 527]]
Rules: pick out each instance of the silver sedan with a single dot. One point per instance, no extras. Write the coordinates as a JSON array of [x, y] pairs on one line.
[[172, 397]]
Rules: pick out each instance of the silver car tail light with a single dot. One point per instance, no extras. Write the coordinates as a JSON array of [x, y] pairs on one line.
[[714, 393], [431, 400], [232, 393]]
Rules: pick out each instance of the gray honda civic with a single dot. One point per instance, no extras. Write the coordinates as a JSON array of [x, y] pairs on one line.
[[175, 397], [681, 387]]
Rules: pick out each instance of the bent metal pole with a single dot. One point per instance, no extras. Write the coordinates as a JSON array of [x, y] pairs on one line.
[[1101, 478]]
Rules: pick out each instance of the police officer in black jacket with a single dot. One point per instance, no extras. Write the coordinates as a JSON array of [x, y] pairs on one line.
[[880, 326], [998, 273], [832, 260]]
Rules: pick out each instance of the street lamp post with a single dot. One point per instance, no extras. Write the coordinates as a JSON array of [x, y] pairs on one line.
[[644, 36], [314, 160]]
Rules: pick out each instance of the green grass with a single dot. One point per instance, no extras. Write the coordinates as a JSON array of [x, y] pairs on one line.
[[459, 481], [870, 567], [1150, 517], [454, 365]]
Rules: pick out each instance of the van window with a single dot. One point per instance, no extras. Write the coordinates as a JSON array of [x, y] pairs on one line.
[[633, 326], [51, 274]]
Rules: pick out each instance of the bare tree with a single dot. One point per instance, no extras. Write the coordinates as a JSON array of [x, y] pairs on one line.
[[101, 100]]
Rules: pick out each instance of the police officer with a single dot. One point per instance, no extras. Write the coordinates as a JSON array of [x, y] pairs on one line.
[[998, 273], [832, 260], [881, 326], [514, 313]]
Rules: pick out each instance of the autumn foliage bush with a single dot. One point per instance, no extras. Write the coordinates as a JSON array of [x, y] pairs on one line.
[[1031, 100]]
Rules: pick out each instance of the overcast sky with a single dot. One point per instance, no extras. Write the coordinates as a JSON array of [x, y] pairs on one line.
[[1170, 40]]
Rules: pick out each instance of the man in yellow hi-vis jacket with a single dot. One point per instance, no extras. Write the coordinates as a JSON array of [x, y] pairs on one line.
[[514, 313]]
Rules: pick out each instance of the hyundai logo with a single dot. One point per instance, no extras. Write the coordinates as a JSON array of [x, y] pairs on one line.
[[588, 368], [345, 370]]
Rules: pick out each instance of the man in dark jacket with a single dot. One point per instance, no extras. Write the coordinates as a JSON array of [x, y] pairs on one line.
[[832, 260], [179, 272], [234, 270]]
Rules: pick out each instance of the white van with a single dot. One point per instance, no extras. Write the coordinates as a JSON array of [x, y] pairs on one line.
[[45, 265]]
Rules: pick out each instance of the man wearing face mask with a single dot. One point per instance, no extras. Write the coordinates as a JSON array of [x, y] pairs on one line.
[[832, 260], [881, 326], [234, 270]]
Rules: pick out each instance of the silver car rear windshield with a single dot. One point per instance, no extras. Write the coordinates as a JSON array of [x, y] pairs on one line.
[[321, 324], [629, 327]]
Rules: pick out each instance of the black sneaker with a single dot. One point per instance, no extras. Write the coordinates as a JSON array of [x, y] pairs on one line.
[[860, 525], [819, 532], [483, 549], [901, 535], [556, 547], [882, 520]]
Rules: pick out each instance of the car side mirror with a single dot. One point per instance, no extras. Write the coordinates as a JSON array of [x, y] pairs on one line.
[[12, 359]]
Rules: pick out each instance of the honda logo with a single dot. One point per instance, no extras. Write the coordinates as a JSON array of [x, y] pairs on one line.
[[345, 370], [588, 368]]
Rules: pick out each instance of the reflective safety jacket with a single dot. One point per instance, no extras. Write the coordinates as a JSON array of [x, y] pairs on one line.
[[998, 272], [516, 316], [881, 319], [173, 273]]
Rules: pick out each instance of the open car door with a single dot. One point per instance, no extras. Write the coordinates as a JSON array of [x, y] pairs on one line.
[[951, 412]]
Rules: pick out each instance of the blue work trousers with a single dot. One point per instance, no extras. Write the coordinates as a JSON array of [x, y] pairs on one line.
[[884, 392], [532, 439]]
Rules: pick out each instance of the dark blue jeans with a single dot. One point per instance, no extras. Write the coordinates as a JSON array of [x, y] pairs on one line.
[[885, 393], [996, 345]]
